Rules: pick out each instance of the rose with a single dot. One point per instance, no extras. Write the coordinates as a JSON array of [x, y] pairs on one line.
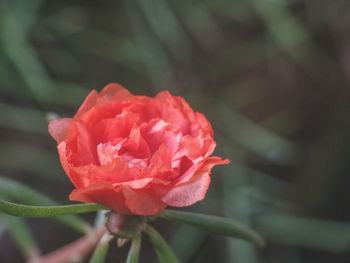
[[136, 154]]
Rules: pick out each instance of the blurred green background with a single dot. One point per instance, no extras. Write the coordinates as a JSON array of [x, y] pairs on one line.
[[271, 75]]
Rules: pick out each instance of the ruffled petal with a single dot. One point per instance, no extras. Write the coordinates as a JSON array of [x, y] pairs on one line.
[[204, 166], [190, 147], [192, 188], [171, 111], [119, 126], [208, 146], [142, 183], [104, 105], [184, 106], [189, 193], [104, 194], [161, 158], [114, 91], [160, 166], [88, 104], [137, 184], [107, 152], [59, 128], [158, 132], [141, 202], [144, 107], [79, 180], [111, 92], [201, 123], [115, 172], [81, 145], [135, 145]]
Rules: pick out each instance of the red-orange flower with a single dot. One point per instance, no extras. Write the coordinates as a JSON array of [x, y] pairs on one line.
[[136, 154]]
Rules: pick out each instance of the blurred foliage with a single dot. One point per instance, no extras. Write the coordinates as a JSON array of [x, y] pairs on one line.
[[272, 76]]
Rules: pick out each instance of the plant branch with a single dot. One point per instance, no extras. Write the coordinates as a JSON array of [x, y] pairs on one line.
[[46, 211]]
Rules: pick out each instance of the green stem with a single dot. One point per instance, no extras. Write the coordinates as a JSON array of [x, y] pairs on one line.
[[23, 193], [21, 236], [163, 250], [134, 252], [101, 249], [46, 211]]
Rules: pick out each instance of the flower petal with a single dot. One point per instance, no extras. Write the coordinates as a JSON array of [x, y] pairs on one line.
[[144, 107], [158, 132], [81, 144], [96, 105], [108, 129], [135, 144], [190, 191], [114, 91], [88, 104], [142, 183], [204, 123], [171, 111], [142, 203], [204, 166], [190, 147], [58, 129], [160, 166], [103, 194], [77, 179], [115, 172]]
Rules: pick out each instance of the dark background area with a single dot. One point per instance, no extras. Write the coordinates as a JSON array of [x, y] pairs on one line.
[[271, 75]]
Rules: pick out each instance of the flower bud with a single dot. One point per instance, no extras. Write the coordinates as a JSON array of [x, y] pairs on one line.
[[125, 226]]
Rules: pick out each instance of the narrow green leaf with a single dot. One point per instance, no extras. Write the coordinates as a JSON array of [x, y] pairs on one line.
[[35, 75], [101, 249], [287, 29], [134, 252], [150, 52], [24, 119], [46, 211], [173, 36], [24, 193], [305, 232], [164, 252], [21, 235], [220, 225], [256, 138]]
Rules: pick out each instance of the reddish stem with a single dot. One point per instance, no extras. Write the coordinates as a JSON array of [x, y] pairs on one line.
[[75, 250]]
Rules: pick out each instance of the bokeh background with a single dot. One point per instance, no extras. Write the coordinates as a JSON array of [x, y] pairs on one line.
[[271, 75]]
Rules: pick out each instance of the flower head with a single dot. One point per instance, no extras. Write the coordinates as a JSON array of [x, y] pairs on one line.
[[136, 154]]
